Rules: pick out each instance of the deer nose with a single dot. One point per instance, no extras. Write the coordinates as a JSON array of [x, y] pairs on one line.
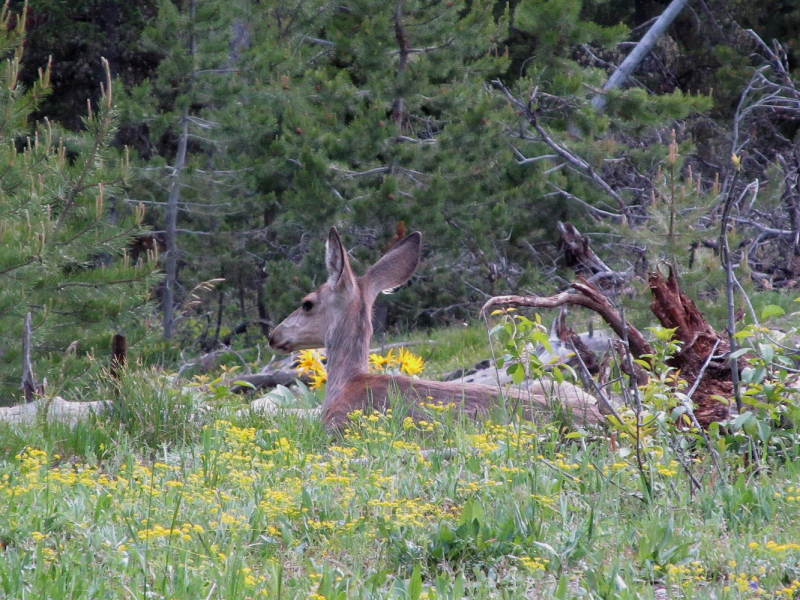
[[275, 340]]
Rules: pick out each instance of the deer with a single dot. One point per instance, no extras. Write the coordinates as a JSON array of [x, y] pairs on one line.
[[338, 317]]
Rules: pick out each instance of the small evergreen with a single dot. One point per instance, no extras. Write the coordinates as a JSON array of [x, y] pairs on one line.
[[65, 233]]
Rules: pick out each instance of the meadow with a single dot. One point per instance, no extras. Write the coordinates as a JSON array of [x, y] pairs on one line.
[[174, 496]]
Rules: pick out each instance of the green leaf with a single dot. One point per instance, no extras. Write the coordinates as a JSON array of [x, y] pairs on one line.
[[562, 589], [771, 311], [458, 587], [767, 352], [246, 384], [415, 583]]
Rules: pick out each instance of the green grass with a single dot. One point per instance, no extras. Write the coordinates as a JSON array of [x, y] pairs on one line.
[[458, 346], [159, 500]]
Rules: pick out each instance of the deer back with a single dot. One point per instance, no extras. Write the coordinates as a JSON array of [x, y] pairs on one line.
[[376, 392]]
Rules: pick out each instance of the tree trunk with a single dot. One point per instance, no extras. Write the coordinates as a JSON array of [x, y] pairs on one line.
[[170, 227], [641, 50], [28, 385]]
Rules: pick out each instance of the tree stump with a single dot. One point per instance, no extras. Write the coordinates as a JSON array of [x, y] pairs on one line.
[[675, 310]]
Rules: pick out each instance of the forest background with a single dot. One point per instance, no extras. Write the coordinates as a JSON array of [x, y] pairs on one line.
[[170, 169]]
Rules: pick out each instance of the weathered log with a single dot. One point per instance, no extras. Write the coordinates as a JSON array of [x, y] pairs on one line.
[[269, 379], [52, 410]]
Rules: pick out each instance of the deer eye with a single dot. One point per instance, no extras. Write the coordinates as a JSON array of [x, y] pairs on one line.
[[307, 305]]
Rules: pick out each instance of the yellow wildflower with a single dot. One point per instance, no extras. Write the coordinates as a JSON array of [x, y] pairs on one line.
[[410, 364], [379, 362], [310, 361], [317, 379]]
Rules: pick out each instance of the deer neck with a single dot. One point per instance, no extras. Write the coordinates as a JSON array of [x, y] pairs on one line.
[[347, 347]]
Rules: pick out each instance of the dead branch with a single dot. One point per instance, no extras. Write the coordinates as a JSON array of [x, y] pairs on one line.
[[583, 294], [28, 385]]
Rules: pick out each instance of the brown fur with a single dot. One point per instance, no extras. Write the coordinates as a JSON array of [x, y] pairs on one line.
[[338, 316], [374, 392]]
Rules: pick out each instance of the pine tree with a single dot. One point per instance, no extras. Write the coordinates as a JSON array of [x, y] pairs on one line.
[[64, 233]]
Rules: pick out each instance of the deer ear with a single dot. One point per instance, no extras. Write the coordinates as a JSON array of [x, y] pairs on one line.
[[339, 272], [394, 268]]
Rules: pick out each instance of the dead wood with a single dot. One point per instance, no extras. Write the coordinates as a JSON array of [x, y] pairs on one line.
[[578, 254], [119, 355], [570, 339], [51, 410], [582, 294], [28, 385], [674, 310], [269, 379]]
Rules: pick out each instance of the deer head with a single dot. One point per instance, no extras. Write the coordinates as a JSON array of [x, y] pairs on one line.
[[339, 312]]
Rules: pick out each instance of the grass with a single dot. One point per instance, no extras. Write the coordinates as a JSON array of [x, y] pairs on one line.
[[162, 500], [458, 346]]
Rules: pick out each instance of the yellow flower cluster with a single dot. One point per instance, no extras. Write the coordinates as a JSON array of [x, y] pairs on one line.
[[684, 573], [775, 547], [534, 564], [792, 590], [742, 583], [404, 362], [311, 362]]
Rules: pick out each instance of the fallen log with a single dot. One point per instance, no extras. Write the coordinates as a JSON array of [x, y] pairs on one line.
[[269, 379], [54, 409]]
